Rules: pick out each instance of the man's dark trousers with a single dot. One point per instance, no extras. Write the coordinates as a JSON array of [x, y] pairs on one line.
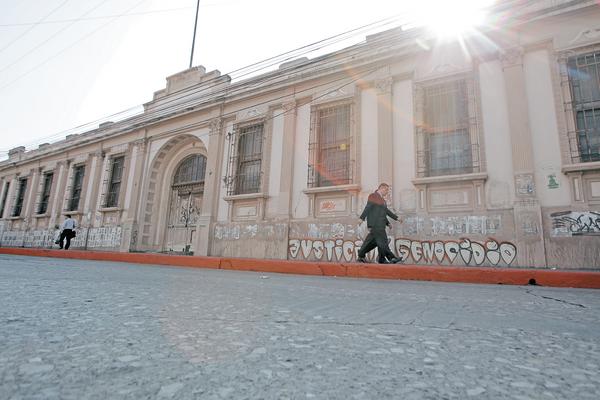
[[66, 234], [377, 237]]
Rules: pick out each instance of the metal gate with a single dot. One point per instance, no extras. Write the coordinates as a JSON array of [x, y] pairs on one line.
[[185, 205]]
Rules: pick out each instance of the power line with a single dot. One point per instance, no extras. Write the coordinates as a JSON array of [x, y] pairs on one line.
[[273, 60], [61, 51], [276, 76], [308, 48], [33, 26], [357, 76], [62, 21], [49, 38], [142, 118]]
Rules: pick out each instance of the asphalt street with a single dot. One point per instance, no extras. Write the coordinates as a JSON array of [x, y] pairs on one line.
[[73, 329]]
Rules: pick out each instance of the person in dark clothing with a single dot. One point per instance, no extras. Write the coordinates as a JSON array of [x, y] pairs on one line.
[[376, 213], [68, 232]]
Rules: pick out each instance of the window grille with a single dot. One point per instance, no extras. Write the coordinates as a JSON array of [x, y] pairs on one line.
[[584, 78], [20, 197], [191, 170], [45, 195], [114, 184], [245, 160], [329, 149], [446, 144], [4, 198], [78, 174]]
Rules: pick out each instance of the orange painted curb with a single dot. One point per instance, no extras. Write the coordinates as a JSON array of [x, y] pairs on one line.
[[487, 275]]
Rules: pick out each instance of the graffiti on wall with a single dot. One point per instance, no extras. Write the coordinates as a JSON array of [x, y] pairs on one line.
[[250, 231], [90, 238], [463, 251], [575, 223], [460, 252], [452, 225], [324, 250]]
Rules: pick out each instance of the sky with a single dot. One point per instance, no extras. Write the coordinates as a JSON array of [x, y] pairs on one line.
[[70, 64]]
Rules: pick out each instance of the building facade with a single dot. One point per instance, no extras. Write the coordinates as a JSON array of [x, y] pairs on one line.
[[491, 145]]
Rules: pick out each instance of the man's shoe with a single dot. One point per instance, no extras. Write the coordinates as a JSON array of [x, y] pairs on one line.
[[361, 259], [396, 261]]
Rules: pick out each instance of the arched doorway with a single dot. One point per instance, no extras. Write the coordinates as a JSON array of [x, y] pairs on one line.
[[185, 203]]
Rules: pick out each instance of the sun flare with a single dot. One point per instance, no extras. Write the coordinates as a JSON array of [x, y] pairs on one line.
[[449, 18]]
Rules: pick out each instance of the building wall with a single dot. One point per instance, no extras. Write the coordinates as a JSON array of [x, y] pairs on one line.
[[527, 205]]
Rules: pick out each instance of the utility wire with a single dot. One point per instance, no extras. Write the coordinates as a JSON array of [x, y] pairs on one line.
[[49, 38], [61, 51], [33, 26], [309, 47], [353, 79], [62, 21], [273, 60]]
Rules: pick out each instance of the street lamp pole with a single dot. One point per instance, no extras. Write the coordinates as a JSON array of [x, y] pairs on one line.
[[194, 38]]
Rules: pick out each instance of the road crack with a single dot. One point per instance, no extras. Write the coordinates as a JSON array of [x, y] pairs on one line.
[[552, 298]]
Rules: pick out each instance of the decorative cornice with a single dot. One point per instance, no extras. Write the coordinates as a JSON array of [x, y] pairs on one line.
[[384, 86], [289, 106], [140, 143], [511, 57], [216, 126]]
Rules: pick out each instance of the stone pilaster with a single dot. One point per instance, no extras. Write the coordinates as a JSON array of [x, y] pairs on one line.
[[102, 188], [132, 195], [58, 194], [287, 161], [32, 185], [5, 181], [88, 215], [527, 211], [385, 130], [211, 189]]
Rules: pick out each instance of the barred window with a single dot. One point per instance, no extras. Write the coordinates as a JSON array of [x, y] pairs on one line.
[[191, 170], [76, 187], [20, 197], [584, 78], [329, 149], [245, 160], [445, 139], [114, 184], [4, 198], [45, 196]]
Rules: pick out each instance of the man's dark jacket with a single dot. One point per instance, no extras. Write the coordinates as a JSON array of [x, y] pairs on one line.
[[376, 212]]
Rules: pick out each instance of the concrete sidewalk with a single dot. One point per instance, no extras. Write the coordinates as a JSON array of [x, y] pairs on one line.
[[484, 275]]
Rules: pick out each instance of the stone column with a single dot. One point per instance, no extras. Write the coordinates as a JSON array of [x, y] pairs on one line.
[[59, 191], [287, 161], [32, 190], [211, 189], [3, 224], [132, 195], [527, 211], [102, 187], [87, 217], [5, 181], [385, 130]]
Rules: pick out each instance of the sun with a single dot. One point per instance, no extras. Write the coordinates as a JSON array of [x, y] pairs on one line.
[[448, 19]]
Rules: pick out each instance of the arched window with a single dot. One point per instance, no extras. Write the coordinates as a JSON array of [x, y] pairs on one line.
[[191, 170]]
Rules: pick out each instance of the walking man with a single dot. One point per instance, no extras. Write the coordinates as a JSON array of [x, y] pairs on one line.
[[376, 213], [68, 232]]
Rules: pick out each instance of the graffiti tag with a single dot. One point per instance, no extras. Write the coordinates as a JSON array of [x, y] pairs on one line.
[[470, 252], [573, 223], [463, 251]]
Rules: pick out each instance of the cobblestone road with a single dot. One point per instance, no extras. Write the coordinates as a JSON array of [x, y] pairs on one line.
[[91, 330]]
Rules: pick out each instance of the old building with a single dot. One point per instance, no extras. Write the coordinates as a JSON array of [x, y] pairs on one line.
[[491, 145]]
